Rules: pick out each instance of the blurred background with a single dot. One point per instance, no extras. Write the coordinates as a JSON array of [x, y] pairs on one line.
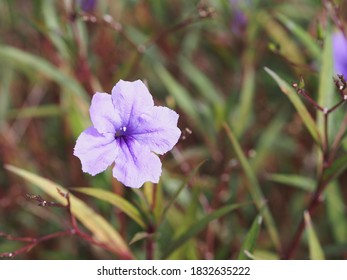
[[204, 59]]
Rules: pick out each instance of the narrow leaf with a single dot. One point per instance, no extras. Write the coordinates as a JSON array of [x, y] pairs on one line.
[[182, 186], [201, 81], [5, 93], [316, 251], [21, 59], [298, 104], [181, 95], [267, 140], [327, 97], [197, 227], [53, 26], [287, 46], [116, 200], [254, 188], [336, 210], [304, 37], [297, 181], [35, 112], [251, 239], [246, 99], [140, 236], [326, 92]]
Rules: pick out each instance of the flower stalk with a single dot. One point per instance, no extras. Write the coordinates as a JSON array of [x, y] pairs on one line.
[[327, 160], [72, 231]]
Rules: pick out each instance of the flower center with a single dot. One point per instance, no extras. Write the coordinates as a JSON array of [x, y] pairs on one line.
[[120, 132]]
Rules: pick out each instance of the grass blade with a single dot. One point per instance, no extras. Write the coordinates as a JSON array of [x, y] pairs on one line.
[[35, 112], [303, 36], [336, 212], [298, 104], [287, 46], [201, 81], [181, 95], [267, 140], [198, 227], [54, 32], [246, 100], [327, 97], [254, 188], [182, 186], [21, 60], [5, 84], [297, 181], [316, 251], [116, 200], [251, 239], [100, 228]]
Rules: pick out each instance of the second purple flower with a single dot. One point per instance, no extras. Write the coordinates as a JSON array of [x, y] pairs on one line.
[[340, 53], [127, 130]]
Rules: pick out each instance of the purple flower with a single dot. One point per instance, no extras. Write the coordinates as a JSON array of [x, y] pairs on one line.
[[340, 53], [128, 130], [239, 19], [87, 5]]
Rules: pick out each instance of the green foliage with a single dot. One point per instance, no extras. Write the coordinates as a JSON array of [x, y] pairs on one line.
[[115, 200], [241, 140], [250, 239], [298, 104], [254, 188], [304, 183], [196, 227], [316, 251]]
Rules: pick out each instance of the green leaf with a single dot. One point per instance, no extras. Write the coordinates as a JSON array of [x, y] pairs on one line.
[[197, 227], [100, 228], [287, 46], [263, 255], [35, 112], [154, 196], [316, 251], [179, 190], [53, 28], [303, 36], [300, 182], [326, 85], [336, 211], [254, 188], [74, 96], [140, 236], [246, 100], [20, 60], [116, 200], [201, 81], [5, 93], [327, 97], [298, 104], [181, 95], [251, 239], [265, 145]]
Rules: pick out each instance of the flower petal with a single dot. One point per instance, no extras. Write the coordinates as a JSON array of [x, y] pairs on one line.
[[96, 151], [340, 53], [157, 129], [135, 164], [131, 99], [102, 113]]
